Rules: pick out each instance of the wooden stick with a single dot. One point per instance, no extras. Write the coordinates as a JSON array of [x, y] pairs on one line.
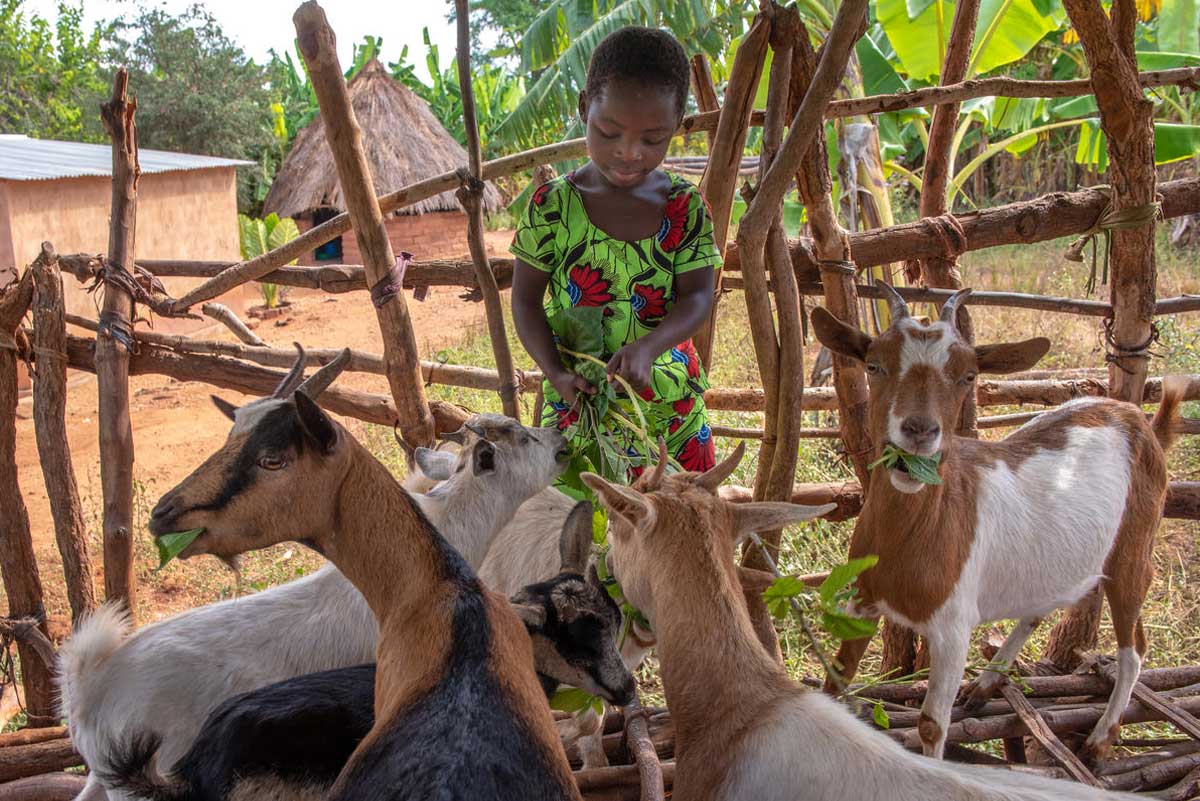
[[253, 380], [112, 354], [974, 730], [1084, 684], [30, 736], [832, 245], [224, 315], [50, 427], [19, 761], [47, 787], [1181, 718], [1113, 767], [318, 47], [645, 757], [1185, 788], [470, 195], [705, 92], [18, 565], [1153, 775], [1042, 733], [941, 271], [720, 177]]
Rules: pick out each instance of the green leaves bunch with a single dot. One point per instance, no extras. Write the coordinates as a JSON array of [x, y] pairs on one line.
[[921, 468]]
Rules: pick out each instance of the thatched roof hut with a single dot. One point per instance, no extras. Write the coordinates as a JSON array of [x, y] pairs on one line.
[[404, 144]]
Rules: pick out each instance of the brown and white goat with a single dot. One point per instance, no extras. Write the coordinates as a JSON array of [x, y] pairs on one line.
[[462, 716], [743, 729], [1017, 528]]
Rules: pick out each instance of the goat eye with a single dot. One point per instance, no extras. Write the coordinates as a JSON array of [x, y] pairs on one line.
[[967, 379], [874, 368], [271, 463]]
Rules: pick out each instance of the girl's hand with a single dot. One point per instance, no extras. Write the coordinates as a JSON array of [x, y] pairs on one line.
[[633, 363], [568, 385]]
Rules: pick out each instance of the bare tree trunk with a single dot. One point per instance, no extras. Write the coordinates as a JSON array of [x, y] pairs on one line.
[[470, 195], [1127, 119], [318, 47], [50, 424], [719, 181], [704, 90], [112, 350], [18, 567]]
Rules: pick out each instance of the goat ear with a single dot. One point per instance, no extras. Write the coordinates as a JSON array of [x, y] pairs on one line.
[[316, 424], [768, 516], [435, 465], [532, 615], [575, 542], [227, 408], [754, 580], [840, 338], [624, 502], [483, 457], [1011, 357]]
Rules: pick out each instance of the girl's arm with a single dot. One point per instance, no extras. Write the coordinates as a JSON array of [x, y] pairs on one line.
[[693, 304], [528, 290]]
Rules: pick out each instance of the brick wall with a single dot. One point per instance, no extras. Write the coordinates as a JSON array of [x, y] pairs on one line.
[[438, 235]]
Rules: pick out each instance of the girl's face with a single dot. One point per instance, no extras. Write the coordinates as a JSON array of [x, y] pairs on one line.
[[629, 128]]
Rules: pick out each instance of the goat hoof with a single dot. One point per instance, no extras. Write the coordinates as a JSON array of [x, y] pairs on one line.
[[1094, 752]]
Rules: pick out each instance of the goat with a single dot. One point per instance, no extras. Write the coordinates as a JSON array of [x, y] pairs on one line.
[[463, 715], [111, 684], [290, 739], [743, 729], [1016, 528]]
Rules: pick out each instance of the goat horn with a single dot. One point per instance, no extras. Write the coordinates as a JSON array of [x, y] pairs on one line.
[[654, 479], [476, 429], [949, 312], [458, 437], [896, 304], [319, 381], [295, 375], [714, 478]]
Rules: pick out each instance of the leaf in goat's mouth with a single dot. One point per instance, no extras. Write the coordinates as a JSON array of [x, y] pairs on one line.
[[171, 545], [920, 468]]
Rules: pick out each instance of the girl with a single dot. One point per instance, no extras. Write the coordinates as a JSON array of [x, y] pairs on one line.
[[621, 234]]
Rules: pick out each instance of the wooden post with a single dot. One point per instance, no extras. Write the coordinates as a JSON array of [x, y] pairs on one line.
[[50, 424], [1127, 119], [112, 350], [704, 90], [942, 271], [318, 47], [835, 260], [470, 195], [721, 175], [18, 567]]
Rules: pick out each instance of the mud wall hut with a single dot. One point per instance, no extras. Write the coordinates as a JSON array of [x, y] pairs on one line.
[[403, 143]]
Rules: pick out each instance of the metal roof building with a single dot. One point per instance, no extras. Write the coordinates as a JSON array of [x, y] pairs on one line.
[[61, 192], [25, 159]]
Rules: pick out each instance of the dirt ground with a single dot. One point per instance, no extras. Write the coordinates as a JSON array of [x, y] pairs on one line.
[[175, 424]]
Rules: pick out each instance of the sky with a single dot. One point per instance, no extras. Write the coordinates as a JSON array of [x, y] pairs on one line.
[[260, 25]]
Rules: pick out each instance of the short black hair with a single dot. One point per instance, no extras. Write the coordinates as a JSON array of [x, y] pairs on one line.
[[650, 56]]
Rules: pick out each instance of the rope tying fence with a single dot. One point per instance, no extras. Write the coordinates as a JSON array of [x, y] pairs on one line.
[[1109, 220], [948, 231], [390, 285]]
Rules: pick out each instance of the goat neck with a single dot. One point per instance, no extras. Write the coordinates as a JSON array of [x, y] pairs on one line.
[[717, 677], [470, 513], [396, 559]]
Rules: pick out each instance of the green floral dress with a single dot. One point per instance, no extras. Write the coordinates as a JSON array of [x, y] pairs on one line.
[[635, 284]]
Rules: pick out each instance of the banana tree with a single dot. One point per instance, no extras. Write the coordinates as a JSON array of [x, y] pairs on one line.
[[256, 237]]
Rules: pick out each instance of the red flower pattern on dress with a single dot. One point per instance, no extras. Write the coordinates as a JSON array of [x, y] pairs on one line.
[[675, 424], [649, 303], [683, 407], [539, 194], [567, 416], [698, 453], [693, 358], [587, 287], [674, 223], [647, 394]]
